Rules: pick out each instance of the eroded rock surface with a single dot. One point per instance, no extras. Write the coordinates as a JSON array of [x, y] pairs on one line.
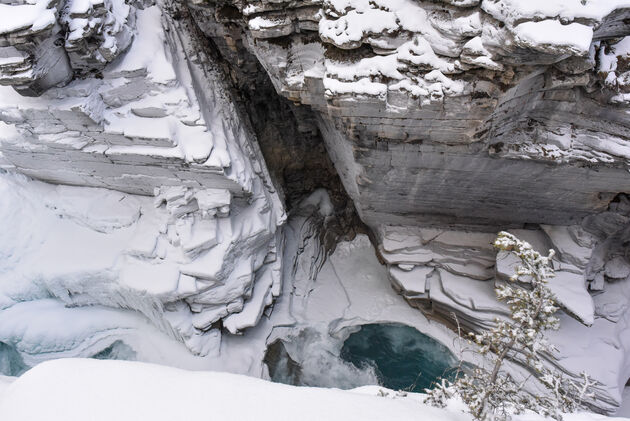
[[450, 112]]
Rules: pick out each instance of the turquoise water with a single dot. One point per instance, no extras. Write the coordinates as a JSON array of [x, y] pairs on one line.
[[403, 358], [11, 363], [116, 351], [394, 356]]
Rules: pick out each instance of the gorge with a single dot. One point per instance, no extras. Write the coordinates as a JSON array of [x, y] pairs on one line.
[[243, 185]]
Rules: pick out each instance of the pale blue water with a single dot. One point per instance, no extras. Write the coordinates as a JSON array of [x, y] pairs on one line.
[[11, 363], [403, 358]]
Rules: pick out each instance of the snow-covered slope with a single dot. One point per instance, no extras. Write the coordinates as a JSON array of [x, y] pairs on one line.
[[96, 247], [76, 390]]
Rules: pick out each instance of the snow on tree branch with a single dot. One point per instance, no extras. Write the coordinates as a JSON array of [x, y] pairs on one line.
[[493, 394]]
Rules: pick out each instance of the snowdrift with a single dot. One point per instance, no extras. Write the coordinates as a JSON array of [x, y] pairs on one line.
[[95, 390]]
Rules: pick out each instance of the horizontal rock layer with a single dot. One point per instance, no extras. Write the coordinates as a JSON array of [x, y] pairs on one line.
[[423, 102], [200, 255]]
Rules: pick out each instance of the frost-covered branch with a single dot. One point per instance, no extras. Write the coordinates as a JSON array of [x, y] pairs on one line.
[[493, 394]]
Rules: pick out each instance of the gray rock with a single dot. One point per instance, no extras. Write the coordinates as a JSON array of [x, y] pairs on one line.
[[617, 268]]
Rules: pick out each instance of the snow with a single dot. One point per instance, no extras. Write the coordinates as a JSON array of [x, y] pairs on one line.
[[103, 211], [154, 278], [351, 289], [46, 241], [252, 311], [79, 389], [353, 22], [316, 312], [5, 381], [411, 39], [411, 279], [419, 52], [156, 136], [321, 200], [465, 287], [33, 17], [372, 66], [550, 33], [96, 247], [355, 25], [510, 11], [624, 410], [19, 59], [80, 7], [573, 244], [99, 251], [568, 287], [363, 86], [570, 291], [106, 23], [617, 79], [145, 110], [259, 22], [64, 331], [148, 50], [159, 130]]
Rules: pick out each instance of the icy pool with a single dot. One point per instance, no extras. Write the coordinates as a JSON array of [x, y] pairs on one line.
[[11, 364], [402, 357], [392, 355]]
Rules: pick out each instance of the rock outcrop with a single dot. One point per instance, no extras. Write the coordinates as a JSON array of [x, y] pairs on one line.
[[450, 112], [155, 122]]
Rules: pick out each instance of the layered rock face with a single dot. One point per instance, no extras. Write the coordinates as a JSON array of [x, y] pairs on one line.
[[171, 138], [156, 121]]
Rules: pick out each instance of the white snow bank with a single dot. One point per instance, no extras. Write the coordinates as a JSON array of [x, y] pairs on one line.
[[35, 17], [93, 247], [5, 381], [79, 389], [514, 10], [148, 50], [550, 34]]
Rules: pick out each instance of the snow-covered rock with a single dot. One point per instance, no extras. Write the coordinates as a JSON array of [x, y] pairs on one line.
[[449, 121], [155, 124], [450, 275], [87, 246], [43, 43]]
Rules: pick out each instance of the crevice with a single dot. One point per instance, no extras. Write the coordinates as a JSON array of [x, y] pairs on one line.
[[287, 134]]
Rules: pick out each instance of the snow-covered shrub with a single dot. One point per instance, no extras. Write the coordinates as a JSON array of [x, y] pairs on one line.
[[493, 394]]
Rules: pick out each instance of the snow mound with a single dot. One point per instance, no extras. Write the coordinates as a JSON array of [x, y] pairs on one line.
[[78, 389]]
